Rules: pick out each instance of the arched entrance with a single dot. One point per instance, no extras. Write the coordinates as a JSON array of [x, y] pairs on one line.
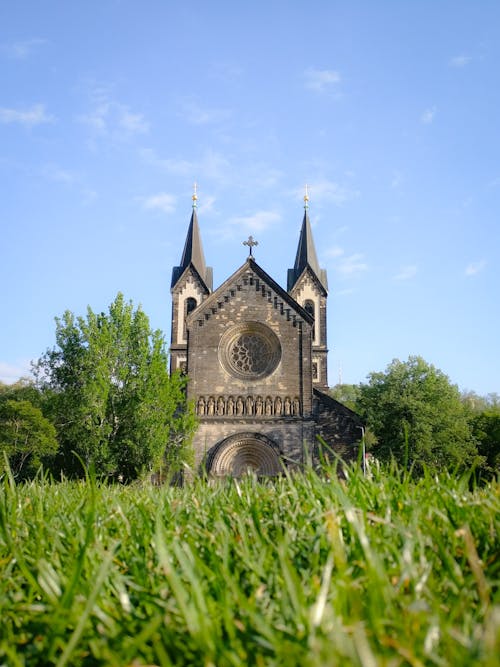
[[242, 453]]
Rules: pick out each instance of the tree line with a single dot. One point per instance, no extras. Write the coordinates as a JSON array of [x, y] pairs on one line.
[[103, 397], [416, 416]]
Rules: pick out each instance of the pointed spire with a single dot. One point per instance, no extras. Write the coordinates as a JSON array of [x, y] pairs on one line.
[[306, 252], [193, 251]]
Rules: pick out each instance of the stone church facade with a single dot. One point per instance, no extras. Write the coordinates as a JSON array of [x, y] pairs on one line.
[[256, 359]]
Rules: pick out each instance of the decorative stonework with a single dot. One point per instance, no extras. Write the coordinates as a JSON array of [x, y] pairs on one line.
[[249, 351], [248, 406], [242, 454]]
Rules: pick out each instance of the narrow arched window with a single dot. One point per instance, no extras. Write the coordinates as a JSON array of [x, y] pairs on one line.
[[189, 305], [309, 308]]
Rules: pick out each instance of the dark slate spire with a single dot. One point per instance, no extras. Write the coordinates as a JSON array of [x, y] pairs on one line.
[[193, 252], [306, 253]]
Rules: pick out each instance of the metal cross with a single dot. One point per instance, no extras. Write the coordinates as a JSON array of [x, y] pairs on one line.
[[250, 243]]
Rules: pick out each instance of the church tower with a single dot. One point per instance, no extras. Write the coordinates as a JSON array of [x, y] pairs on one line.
[[191, 284], [308, 285]]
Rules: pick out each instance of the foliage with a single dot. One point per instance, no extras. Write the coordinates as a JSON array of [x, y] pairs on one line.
[[298, 571], [347, 394], [108, 391], [418, 417], [26, 436], [486, 431]]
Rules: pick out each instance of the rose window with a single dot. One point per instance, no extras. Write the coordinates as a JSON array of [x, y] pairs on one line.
[[250, 350]]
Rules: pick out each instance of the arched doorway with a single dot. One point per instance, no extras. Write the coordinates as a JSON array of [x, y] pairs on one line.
[[244, 453]]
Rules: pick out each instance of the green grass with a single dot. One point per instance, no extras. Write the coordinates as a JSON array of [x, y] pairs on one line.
[[298, 571]]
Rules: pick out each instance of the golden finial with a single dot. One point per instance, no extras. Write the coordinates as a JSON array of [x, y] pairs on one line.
[[306, 197], [195, 195]]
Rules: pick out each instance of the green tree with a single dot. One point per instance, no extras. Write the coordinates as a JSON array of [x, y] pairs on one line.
[[26, 436], [486, 431], [418, 417], [110, 396], [347, 394]]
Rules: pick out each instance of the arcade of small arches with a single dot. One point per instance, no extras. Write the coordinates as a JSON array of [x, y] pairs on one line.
[[248, 406]]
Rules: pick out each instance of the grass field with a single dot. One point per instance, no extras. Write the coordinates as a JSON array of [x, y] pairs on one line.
[[304, 571]]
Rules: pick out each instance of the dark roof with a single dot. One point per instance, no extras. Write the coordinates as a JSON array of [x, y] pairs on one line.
[[193, 255], [306, 257]]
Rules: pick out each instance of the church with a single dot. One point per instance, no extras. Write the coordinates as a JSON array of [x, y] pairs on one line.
[[256, 359]]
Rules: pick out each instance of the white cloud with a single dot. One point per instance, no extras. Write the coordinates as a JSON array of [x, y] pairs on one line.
[[333, 252], [406, 272], [109, 118], [55, 173], [321, 80], [10, 373], [36, 115], [460, 61], [160, 202], [475, 267], [258, 222], [210, 166], [22, 50], [250, 224], [494, 183], [181, 167], [427, 116], [328, 191], [397, 179], [351, 265], [206, 204], [132, 123], [112, 119], [198, 115]]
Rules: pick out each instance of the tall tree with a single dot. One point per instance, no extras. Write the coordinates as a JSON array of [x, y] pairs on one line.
[[418, 417], [110, 395]]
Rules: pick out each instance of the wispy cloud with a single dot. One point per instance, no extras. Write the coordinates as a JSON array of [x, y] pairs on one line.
[[474, 268], [427, 116], [197, 114], [162, 201], [54, 172], [206, 204], [406, 272], [351, 265], [333, 252], [321, 80], [324, 190], [459, 61], [22, 49], [228, 72], [210, 166], [397, 179], [72, 179], [10, 373], [257, 222], [494, 183], [36, 115], [109, 118]]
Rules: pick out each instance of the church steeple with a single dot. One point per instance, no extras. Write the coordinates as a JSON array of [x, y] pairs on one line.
[[191, 285], [306, 253], [308, 285], [193, 252]]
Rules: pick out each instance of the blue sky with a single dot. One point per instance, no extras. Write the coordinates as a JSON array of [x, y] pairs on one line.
[[390, 111]]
